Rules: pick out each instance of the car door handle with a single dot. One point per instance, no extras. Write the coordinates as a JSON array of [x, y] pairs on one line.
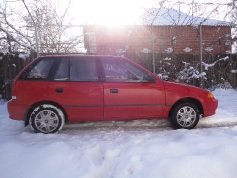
[[59, 90], [113, 90]]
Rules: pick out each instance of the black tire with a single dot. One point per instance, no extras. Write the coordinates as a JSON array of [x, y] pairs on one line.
[[185, 115], [47, 119]]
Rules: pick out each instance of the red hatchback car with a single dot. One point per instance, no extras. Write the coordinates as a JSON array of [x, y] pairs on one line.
[[52, 90]]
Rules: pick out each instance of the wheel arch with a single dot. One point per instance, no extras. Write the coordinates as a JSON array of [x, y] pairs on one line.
[[189, 100], [35, 105]]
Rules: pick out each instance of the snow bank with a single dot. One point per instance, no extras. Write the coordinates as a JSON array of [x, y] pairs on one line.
[[124, 149]]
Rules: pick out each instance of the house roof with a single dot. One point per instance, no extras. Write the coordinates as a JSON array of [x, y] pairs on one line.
[[170, 16]]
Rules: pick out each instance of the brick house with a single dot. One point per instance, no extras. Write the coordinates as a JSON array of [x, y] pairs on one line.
[[177, 39], [168, 31]]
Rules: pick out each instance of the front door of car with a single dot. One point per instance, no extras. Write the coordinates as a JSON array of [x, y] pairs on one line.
[[127, 94], [77, 88]]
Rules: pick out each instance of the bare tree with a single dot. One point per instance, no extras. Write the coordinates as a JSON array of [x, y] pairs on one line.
[[55, 30], [53, 27], [232, 15], [12, 38]]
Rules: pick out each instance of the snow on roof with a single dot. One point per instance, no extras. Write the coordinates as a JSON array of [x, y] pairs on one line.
[[165, 16]]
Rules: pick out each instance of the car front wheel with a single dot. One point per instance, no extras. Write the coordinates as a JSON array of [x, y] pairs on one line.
[[185, 115], [47, 119]]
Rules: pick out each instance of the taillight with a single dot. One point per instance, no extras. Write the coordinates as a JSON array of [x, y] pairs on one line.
[[14, 90]]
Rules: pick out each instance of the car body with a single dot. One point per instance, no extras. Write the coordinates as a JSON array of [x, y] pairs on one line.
[[52, 90]]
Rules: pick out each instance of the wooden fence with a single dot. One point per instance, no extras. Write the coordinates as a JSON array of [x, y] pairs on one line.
[[219, 75], [10, 66]]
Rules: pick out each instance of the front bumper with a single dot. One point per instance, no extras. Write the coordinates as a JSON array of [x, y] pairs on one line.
[[210, 107]]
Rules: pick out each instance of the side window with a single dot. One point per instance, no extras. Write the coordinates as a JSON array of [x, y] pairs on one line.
[[77, 69], [39, 71], [83, 69], [63, 71], [117, 70]]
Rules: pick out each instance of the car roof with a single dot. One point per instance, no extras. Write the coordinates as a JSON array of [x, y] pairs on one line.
[[79, 55]]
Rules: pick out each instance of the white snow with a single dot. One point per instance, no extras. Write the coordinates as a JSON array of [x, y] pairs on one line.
[[167, 59], [233, 71], [187, 49], [137, 149], [23, 56], [169, 50], [206, 66], [145, 50]]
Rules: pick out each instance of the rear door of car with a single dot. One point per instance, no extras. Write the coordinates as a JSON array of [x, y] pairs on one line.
[[76, 86], [32, 84], [127, 94]]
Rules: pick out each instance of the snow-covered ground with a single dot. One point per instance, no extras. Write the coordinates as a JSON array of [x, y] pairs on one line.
[[138, 149]]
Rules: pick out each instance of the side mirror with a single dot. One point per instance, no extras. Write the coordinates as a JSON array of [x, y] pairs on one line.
[[148, 78]]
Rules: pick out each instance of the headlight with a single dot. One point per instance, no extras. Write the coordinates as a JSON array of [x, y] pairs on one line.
[[210, 95]]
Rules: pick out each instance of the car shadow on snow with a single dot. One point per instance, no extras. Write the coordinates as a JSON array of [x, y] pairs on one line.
[[137, 125]]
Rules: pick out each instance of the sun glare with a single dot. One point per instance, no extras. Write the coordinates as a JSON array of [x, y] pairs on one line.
[[109, 12]]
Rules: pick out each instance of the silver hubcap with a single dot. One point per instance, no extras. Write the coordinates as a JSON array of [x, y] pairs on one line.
[[186, 116], [46, 121]]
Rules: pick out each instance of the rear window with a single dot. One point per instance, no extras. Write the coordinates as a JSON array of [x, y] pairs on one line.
[[38, 71]]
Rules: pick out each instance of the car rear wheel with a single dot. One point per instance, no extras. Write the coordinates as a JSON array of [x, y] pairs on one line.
[[185, 115], [47, 119]]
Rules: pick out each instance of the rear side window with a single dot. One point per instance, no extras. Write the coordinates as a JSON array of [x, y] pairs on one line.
[[63, 71], [77, 69], [39, 71]]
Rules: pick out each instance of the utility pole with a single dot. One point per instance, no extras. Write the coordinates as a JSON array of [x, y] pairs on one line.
[[201, 46], [36, 29], [153, 50]]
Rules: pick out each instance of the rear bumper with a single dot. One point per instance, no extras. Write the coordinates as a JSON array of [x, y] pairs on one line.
[[210, 107], [16, 111]]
